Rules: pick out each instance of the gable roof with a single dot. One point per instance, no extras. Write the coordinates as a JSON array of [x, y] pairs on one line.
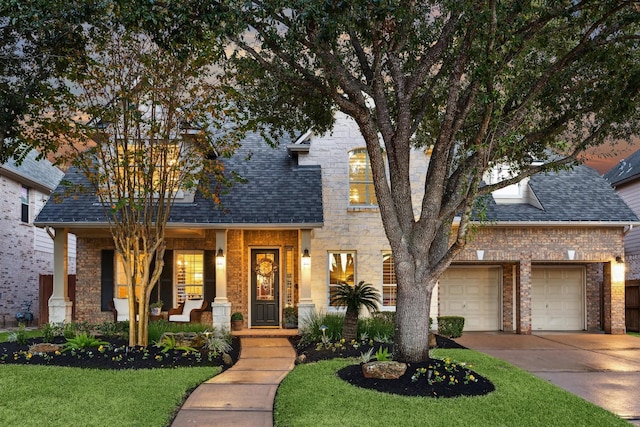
[[41, 174], [579, 195], [278, 193], [625, 171]]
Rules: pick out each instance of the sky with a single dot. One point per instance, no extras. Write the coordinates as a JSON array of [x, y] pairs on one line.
[[607, 156]]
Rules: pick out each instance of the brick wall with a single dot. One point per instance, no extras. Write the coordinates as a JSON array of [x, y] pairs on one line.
[[20, 264]]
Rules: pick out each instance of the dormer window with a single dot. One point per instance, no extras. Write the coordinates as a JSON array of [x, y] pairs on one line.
[[361, 190]]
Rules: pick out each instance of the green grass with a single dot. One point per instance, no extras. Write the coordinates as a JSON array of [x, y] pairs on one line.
[[520, 399], [635, 334], [57, 396], [30, 334]]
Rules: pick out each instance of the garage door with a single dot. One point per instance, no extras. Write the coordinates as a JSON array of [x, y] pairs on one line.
[[557, 299], [473, 293]]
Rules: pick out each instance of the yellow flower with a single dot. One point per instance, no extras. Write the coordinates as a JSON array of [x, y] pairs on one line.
[[57, 353], [29, 355]]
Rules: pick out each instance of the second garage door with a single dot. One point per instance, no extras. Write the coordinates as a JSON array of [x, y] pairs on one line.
[[557, 298], [474, 293]]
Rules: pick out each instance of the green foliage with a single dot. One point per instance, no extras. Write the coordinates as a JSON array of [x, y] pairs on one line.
[[450, 326], [366, 356], [114, 329], [82, 341], [19, 336], [379, 327], [290, 316], [354, 297], [169, 342], [312, 333], [237, 316], [50, 331], [382, 355], [217, 344], [156, 329]]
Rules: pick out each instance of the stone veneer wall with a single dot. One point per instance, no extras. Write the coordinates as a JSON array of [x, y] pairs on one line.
[[360, 230]]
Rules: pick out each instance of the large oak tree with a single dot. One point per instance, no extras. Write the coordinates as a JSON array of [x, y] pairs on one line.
[[480, 82]]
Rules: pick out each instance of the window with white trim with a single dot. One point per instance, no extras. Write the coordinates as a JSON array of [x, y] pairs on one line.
[[189, 275], [24, 204], [389, 282], [361, 190], [342, 269]]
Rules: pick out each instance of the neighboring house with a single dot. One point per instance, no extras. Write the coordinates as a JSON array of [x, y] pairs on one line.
[[26, 251], [307, 219], [625, 179]]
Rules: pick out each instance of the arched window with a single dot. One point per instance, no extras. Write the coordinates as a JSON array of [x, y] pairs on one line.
[[361, 191]]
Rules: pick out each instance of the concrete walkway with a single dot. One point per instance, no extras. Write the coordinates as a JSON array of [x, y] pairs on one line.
[[242, 395], [603, 369]]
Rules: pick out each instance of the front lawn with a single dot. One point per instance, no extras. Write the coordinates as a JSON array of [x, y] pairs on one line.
[[59, 396], [312, 394]]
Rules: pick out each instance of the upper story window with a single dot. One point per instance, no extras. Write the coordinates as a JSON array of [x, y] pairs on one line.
[[361, 190], [142, 165], [24, 204], [342, 269], [389, 282]]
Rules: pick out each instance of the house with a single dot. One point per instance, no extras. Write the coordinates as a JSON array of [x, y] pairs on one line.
[[625, 179], [307, 219], [26, 251]]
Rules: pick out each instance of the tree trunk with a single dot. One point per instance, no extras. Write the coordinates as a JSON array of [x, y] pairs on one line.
[[411, 340], [350, 327]]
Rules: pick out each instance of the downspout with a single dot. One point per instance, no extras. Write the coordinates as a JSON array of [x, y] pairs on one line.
[[627, 229]]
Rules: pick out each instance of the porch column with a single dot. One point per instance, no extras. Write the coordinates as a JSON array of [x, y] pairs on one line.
[[59, 303], [306, 307], [523, 298], [613, 298], [221, 307]]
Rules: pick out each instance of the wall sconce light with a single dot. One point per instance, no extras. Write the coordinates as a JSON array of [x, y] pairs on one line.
[[306, 258], [220, 258], [571, 254], [618, 270], [619, 259], [480, 255]]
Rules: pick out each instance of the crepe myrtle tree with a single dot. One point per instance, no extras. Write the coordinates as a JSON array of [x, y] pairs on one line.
[[141, 127], [480, 83]]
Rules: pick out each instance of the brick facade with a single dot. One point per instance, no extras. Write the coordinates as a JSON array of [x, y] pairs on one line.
[[21, 260]]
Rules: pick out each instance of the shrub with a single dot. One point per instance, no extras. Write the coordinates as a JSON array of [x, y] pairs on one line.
[[218, 344], [354, 298], [237, 316], [83, 340], [156, 329], [312, 333], [379, 327], [450, 326], [20, 336]]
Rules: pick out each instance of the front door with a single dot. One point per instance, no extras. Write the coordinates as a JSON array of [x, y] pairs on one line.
[[265, 297]]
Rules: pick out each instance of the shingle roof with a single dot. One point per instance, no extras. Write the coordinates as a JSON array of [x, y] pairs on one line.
[[577, 195], [278, 192], [34, 172], [625, 170]]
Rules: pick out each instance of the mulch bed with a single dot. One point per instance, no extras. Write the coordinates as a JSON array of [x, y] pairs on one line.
[[117, 355], [447, 379]]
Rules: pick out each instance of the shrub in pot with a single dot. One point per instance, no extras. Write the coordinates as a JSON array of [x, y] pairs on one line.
[[237, 321]]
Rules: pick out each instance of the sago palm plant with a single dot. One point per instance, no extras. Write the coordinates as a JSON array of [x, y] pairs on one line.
[[354, 297]]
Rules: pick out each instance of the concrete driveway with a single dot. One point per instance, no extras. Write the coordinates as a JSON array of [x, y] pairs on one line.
[[603, 369]]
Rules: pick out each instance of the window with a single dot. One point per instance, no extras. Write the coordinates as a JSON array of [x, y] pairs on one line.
[[134, 168], [121, 280], [342, 268], [361, 191], [189, 281], [389, 283], [24, 199]]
